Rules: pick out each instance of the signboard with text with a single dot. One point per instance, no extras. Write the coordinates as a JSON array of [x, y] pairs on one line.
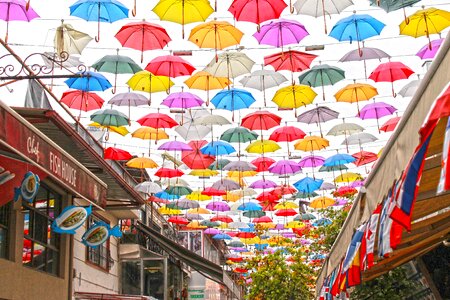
[[30, 142]]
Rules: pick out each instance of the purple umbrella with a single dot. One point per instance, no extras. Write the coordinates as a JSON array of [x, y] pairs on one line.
[[128, 99], [340, 202], [212, 231], [218, 206], [182, 100], [279, 227], [318, 115], [357, 183], [16, 10], [367, 53], [376, 110], [285, 167], [425, 51], [281, 32], [263, 184], [289, 234], [240, 166], [311, 161], [175, 145]]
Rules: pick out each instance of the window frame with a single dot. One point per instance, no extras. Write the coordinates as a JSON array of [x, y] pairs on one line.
[[106, 245], [7, 211], [57, 247]]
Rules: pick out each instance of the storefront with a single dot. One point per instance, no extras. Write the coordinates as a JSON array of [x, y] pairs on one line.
[[37, 180]]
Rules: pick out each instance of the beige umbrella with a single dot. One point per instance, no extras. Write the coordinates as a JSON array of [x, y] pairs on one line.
[[230, 65], [67, 39]]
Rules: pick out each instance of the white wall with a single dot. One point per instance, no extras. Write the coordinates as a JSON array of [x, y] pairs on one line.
[[89, 278]]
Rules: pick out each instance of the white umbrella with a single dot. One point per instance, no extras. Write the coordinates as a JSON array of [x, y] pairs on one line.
[[68, 39], [262, 80], [359, 139], [189, 130], [148, 187], [230, 65], [409, 89]]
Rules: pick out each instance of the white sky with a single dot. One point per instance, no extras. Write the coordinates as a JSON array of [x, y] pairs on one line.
[[37, 36]]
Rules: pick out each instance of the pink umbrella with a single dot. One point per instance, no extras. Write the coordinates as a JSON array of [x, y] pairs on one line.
[[426, 53], [311, 161], [390, 124], [211, 231], [174, 146], [218, 206], [390, 72], [285, 167], [263, 184], [281, 32], [16, 10], [287, 134], [375, 111], [170, 66]]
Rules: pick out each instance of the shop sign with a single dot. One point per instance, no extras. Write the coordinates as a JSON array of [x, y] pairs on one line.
[[196, 294], [31, 143]]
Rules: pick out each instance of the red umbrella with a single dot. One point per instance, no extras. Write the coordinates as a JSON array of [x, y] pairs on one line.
[[178, 220], [283, 190], [257, 11], [168, 173], [263, 219], [213, 192], [262, 163], [268, 197], [246, 235], [143, 36], [364, 158], [261, 119], [390, 124], [116, 154], [82, 100], [170, 66], [287, 134], [225, 219], [345, 191], [158, 200], [240, 270], [157, 120], [390, 72], [285, 212], [194, 158], [292, 60]]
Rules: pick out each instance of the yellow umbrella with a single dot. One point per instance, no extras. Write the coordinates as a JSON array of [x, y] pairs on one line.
[[286, 205], [183, 11], [251, 241], [200, 211], [264, 146], [311, 143], [348, 177], [204, 172], [215, 35], [321, 202], [263, 226], [239, 180], [149, 133], [169, 211], [295, 224], [195, 224], [147, 82], [425, 22], [231, 197], [294, 96], [206, 81], [223, 225], [198, 196], [122, 130], [356, 92], [141, 163], [241, 173]]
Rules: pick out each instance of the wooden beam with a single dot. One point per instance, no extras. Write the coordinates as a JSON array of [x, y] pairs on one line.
[[426, 207], [426, 226]]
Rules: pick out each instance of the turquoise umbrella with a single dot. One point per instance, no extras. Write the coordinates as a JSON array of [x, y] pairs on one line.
[[322, 75], [110, 117]]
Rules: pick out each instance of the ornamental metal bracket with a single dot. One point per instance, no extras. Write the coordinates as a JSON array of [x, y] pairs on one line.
[[45, 65]]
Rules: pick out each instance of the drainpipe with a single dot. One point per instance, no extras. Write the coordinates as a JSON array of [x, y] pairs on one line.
[[166, 279]]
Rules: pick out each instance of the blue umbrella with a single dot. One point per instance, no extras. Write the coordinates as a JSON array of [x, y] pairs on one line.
[[338, 159], [308, 184], [233, 99], [261, 247], [251, 228], [249, 206], [215, 148], [166, 196], [88, 81], [356, 28], [322, 222], [99, 11], [221, 236]]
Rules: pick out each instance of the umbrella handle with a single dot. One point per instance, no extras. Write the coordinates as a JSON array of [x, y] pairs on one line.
[[291, 7], [133, 11], [27, 7]]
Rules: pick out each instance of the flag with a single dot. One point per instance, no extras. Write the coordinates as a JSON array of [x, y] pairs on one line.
[[405, 199], [353, 248], [444, 182], [369, 236], [384, 232]]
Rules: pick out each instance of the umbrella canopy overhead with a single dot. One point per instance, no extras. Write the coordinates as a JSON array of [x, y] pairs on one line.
[[230, 65], [68, 39], [281, 32], [257, 11]]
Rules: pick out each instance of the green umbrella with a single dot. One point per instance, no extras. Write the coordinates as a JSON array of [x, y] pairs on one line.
[[303, 195], [238, 135], [322, 75], [178, 190], [110, 117], [254, 213], [116, 64], [209, 223], [392, 5], [332, 168], [219, 164], [304, 217]]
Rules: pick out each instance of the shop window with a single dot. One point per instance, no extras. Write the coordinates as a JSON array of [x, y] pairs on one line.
[[41, 246], [5, 213], [98, 256]]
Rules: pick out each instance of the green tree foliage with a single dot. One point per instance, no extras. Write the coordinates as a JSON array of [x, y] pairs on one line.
[[275, 278], [393, 285]]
